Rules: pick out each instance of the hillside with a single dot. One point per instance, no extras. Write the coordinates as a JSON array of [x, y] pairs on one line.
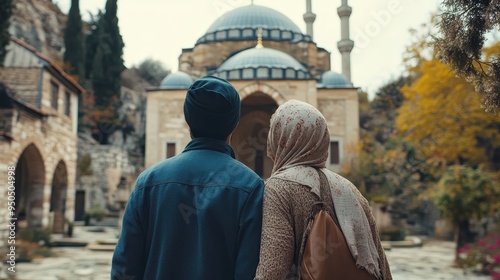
[[40, 23]]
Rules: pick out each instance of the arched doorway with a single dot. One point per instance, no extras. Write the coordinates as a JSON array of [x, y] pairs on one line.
[[250, 138], [30, 180], [58, 196]]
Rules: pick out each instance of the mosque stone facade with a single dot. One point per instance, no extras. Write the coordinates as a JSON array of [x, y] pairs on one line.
[[268, 59]]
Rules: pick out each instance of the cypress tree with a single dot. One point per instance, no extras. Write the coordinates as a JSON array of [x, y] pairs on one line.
[[5, 14], [106, 70], [74, 53], [91, 41], [108, 63]]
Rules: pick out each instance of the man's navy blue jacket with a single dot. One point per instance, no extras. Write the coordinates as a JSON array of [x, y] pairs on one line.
[[197, 215]]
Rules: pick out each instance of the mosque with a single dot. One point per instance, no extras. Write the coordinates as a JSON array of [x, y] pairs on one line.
[[268, 59]]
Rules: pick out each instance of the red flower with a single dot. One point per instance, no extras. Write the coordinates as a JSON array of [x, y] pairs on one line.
[[464, 249], [496, 259], [481, 243]]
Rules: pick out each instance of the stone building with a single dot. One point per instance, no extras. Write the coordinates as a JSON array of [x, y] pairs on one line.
[[38, 136], [267, 58]]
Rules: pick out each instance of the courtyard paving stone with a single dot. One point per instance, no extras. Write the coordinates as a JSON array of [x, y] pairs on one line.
[[432, 261]]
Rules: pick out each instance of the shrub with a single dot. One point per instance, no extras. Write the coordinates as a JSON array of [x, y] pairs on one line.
[[32, 243], [392, 233], [483, 255], [95, 212], [36, 235], [27, 251]]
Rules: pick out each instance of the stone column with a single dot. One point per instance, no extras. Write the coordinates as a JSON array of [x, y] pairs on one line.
[[345, 45]]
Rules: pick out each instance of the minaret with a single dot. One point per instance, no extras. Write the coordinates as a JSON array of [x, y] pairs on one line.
[[345, 45], [309, 18]]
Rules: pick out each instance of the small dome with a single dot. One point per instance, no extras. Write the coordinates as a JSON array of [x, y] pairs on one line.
[[242, 24], [261, 63], [177, 80], [331, 79]]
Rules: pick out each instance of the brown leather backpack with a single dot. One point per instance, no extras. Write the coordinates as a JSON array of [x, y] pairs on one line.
[[325, 253]]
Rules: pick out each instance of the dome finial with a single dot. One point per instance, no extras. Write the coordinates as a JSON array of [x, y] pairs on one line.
[[259, 38]]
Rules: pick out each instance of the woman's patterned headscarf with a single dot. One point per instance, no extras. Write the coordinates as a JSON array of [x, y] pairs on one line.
[[298, 144]]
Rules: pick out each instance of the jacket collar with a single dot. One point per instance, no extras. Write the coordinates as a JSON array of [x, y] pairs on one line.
[[205, 143]]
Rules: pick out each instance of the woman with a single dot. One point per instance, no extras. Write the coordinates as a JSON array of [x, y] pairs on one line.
[[298, 144]]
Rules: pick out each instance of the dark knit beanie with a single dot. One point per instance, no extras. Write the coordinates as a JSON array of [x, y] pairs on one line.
[[212, 108]]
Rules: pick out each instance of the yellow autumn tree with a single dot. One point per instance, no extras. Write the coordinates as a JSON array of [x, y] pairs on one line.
[[443, 116]]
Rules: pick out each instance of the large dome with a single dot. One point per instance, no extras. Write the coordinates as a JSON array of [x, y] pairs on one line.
[[261, 63], [242, 24]]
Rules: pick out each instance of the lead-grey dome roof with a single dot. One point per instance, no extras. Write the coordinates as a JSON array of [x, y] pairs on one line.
[[242, 24], [331, 79], [177, 80], [261, 63]]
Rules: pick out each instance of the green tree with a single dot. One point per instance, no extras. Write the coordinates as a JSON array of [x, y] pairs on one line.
[[152, 71], [108, 63], [5, 14], [384, 110], [464, 25], [106, 71], [91, 42], [74, 53], [464, 193]]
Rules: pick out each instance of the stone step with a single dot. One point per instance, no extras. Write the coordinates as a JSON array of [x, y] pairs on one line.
[[107, 241], [409, 242], [68, 242], [101, 247]]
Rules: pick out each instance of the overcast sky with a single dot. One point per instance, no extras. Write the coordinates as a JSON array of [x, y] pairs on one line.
[[161, 28]]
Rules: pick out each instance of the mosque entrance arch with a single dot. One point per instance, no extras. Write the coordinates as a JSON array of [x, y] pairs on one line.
[[29, 183], [250, 137], [58, 196]]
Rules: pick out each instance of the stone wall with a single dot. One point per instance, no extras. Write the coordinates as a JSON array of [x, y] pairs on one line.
[[43, 146], [24, 83], [341, 110], [165, 124], [52, 139], [108, 164]]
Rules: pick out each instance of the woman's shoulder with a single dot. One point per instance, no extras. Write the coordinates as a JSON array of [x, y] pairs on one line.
[[287, 190], [276, 183]]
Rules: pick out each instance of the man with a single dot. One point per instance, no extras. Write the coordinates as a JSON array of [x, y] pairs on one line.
[[197, 215]]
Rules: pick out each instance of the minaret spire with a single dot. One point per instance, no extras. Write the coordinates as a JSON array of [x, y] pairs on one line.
[[309, 18], [345, 45]]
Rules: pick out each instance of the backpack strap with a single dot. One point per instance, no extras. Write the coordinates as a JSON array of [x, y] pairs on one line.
[[323, 202], [326, 196]]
